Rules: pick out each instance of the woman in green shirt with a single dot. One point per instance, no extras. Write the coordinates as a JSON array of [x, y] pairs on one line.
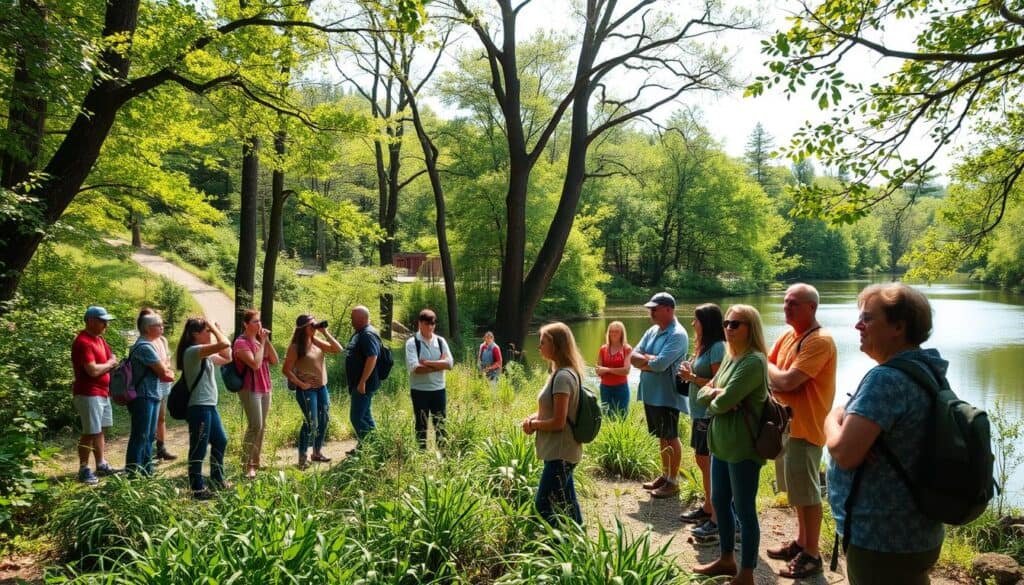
[[738, 389]]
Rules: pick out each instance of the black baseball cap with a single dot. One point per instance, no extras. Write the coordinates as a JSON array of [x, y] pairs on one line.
[[662, 298]]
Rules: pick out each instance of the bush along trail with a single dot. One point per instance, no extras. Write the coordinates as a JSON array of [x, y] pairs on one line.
[[389, 513]]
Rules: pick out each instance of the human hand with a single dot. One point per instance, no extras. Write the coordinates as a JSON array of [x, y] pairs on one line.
[[361, 388], [528, 425]]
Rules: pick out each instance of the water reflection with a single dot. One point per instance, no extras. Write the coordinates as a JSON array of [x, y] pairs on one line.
[[980, 331]]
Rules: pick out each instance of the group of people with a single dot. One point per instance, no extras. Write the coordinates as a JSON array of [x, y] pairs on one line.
[[722, 387]]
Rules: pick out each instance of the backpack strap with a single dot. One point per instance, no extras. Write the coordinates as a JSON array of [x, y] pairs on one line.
[[417, 340], [199, 376], [579, 388], [804, 337], [146, 371]]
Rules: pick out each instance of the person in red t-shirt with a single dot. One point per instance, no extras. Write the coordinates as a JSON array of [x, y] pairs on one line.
[[92, 361]]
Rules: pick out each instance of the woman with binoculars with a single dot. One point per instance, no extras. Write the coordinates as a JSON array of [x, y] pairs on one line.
[[307, 376]]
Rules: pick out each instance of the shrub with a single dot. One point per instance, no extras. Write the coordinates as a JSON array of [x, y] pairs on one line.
[[571, 557], [624, 448], [20, 445], [172, 300], [98, 524]]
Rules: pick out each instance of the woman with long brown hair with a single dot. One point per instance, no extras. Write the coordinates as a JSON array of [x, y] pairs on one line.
[[304, 367], [255, 353], [201, 350], [556, 446]]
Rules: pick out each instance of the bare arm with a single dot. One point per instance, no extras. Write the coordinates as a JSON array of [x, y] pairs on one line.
[[95, 370], [849, 437], [220, 349], [789, 380], [368, 365], [331, 345]]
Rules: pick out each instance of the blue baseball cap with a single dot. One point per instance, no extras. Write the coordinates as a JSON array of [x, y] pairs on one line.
[[662, 298], [98, 313]]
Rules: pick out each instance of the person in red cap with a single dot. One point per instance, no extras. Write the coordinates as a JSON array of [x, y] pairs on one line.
[[92, 361]]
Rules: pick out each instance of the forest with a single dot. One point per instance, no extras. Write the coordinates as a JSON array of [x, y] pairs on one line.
[[295, 154]]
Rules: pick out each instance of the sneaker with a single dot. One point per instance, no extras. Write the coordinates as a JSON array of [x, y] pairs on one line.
[[86, 476], [695, 516], [705, 531], [657, 483], [667, 490], [319, 458], [105, 470], [164, 455]]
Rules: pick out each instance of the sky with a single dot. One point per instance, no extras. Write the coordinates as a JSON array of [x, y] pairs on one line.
[[729, 116]]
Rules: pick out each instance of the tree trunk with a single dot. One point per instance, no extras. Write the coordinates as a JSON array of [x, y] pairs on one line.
[[26, 120], [447, 267], [274, 237], [135, 222], [245, 271], [73, 159]]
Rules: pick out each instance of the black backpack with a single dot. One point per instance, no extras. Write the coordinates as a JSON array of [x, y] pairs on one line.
[[385, 361], [955, 482], [181, 392]]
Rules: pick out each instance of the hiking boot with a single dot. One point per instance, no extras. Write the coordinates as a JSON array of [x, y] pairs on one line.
[[667, 490], [86, 476], [657, 483], [105, 470], [786, 552], [162, 454]]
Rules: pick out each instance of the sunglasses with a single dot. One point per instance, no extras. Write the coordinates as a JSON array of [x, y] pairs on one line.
[[730, 324]]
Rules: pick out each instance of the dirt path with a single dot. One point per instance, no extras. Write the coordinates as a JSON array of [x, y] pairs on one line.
[[216, 305], [630, 504]]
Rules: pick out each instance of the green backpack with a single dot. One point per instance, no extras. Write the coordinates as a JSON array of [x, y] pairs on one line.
[[956, 482], [587, 422]]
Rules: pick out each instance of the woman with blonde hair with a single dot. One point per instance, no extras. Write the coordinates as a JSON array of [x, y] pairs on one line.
[[736, 392], [556, 446], [613, 368]]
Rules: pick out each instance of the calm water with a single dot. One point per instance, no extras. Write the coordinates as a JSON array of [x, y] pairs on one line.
[[980, 331]]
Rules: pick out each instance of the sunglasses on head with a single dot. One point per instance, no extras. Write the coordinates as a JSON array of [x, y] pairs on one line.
[[732, 324]]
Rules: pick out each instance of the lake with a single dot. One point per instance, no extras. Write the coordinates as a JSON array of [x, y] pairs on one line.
[[979, 330]]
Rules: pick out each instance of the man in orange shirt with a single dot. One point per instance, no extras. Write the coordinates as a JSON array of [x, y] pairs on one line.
[[802, 372]]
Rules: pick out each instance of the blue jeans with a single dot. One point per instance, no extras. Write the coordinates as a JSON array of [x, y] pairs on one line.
[[734, 488], [556, 494], [359, 413], [615, 399], [315, 404], [205, 428], [139, 456]]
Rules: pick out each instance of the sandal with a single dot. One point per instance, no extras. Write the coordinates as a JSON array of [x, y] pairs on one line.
[[786, 552], [801, 567]]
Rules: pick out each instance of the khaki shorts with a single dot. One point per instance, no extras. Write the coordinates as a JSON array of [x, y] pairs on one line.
[[797, 472], [95, 413]]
